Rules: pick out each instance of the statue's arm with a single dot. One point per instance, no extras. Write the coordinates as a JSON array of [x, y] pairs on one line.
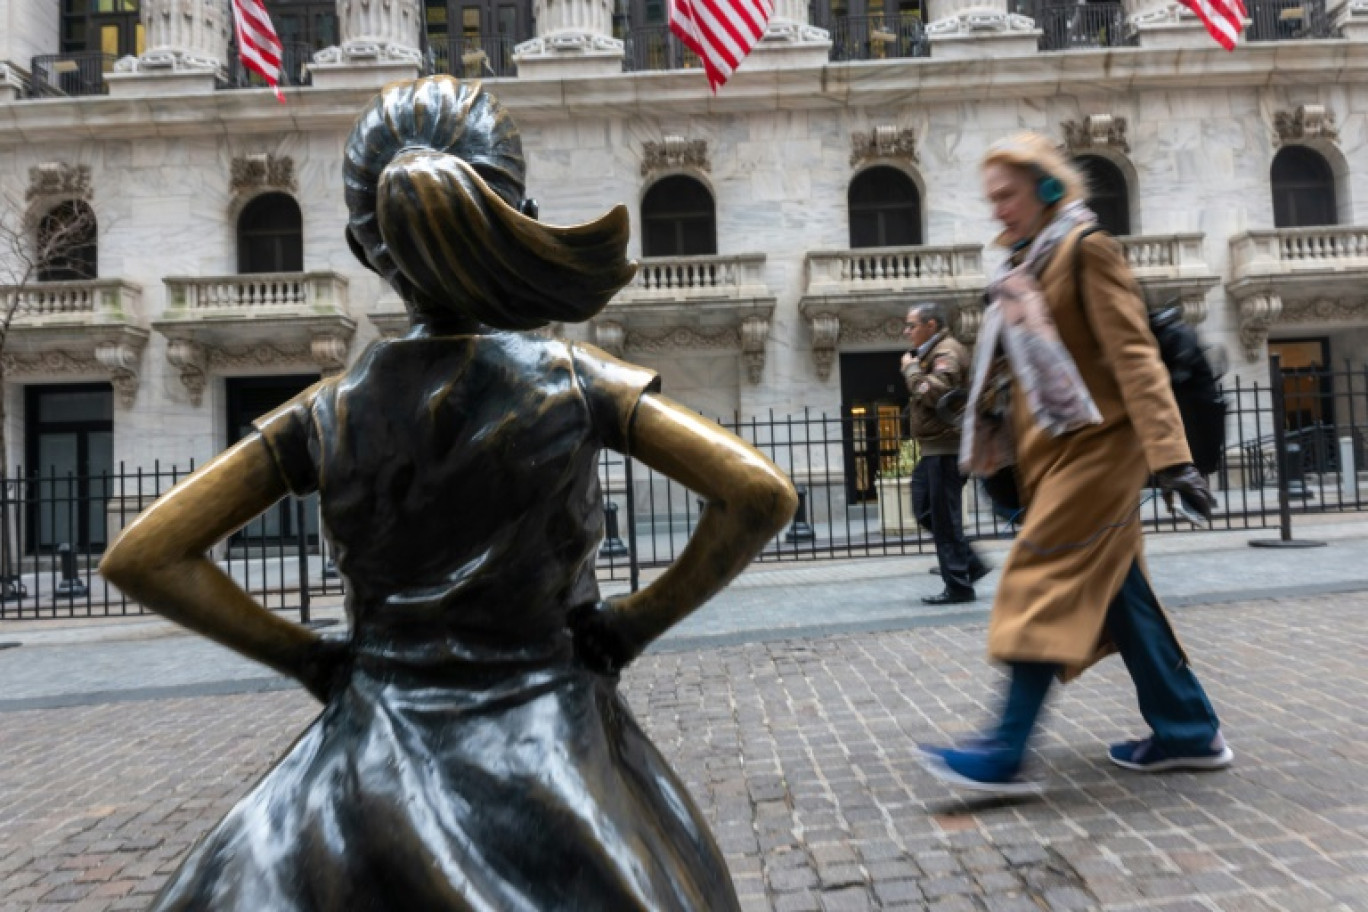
[[747, 501], [160, 561]]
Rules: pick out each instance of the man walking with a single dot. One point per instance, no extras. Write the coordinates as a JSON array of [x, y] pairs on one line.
[[938, 364]]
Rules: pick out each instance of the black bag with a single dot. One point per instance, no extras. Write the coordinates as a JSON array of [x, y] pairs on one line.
[[1201, 403]]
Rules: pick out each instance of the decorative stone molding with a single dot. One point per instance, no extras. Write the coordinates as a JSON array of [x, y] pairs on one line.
[[181, 36], [568, 43], [1324, 310], [376, 32], [1096, 131], [1164, 24], [58, 180], [1169, 267], [263, 171], [885, 141], [977, 29], [122, 359], [754, 335], [1306, 122], [119, 358], [1350, 19], [978, 18], [681, 337], [673, 153], [1256, 314], [826, 332]]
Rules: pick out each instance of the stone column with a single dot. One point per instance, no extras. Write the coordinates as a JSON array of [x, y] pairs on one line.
[[574, 38], [187, 49], [1165, 24], [1350, 18], [964, 29], [790, 40], [380, 44]]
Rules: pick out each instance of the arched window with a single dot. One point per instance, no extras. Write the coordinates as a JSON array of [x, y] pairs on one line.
[[677, 219], [885, 209], [1303, 189], [271, 235], [1108, 194], [66, 244]]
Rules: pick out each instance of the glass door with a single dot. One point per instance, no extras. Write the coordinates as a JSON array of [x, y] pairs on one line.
[[70, 451]]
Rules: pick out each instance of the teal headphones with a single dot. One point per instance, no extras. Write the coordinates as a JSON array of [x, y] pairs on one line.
[[1049, 189]]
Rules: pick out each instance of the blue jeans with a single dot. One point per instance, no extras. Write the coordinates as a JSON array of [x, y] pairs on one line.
[[1171, 698]]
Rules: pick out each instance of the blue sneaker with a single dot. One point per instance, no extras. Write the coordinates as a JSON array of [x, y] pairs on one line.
[[1149, 756], [980, 766]]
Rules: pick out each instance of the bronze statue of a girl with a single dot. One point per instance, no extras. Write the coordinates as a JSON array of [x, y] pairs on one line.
[[473, 752]]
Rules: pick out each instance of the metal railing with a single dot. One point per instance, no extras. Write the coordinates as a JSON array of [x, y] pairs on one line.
[[877, 38], [1075, 26], [474, 58], [656, 48], [69, 75], [295, 58], [1287, 20], [855, 501]]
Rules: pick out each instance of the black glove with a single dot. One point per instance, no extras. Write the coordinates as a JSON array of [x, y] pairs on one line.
[[599, 643], [1195, 503]]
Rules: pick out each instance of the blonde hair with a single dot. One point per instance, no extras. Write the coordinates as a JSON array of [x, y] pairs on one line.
[[1038, 155]]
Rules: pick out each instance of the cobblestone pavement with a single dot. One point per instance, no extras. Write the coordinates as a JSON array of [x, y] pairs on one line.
[[800, 753]]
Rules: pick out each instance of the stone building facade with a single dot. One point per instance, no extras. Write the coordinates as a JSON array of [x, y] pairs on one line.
[[783, 225]]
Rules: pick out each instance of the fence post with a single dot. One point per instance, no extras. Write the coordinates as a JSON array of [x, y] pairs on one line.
[[1279, 418], [633, 563], [302, 542], [71, 585], [613, 546], [800, 530]]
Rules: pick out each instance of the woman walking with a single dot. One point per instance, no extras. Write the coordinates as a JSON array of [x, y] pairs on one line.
[[1091, 417], [473, 752]]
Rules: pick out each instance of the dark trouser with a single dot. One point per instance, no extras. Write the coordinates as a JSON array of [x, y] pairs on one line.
[[1170, 696], [937, 486]]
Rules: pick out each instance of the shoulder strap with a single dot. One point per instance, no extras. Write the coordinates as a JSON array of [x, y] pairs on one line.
[[1078, 257]]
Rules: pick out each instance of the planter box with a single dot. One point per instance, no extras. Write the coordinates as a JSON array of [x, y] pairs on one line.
[[896, 516]]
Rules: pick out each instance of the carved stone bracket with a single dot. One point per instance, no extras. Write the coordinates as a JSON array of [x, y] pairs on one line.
[[1096, 131], [978, 21], [610, 336], [1257, 313], [675, 152], [60, 180], [263, 171], [883, 142], [118, 357], [188, 357], [1306, 122], [754, 335], [122, 360], [826, 332]]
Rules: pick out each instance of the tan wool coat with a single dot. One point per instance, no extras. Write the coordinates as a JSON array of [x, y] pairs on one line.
[[1082, 490]]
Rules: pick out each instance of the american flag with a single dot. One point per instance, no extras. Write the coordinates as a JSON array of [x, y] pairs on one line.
[[258, 44], [721, 32], [1224, 19]]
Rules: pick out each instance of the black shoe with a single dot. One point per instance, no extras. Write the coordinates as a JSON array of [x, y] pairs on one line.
[[975, 575], [951, 597]]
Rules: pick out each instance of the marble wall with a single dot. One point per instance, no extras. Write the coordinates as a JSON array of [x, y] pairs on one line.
[[778, 167], [27, 28]]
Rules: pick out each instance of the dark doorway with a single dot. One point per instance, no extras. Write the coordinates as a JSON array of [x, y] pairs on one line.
[[678, 219], [885, 209], [1309, 401], [69, 448], [1108, 194], [1303, 189], [873, 396], [270, 235], [474, 39], [250, 398]]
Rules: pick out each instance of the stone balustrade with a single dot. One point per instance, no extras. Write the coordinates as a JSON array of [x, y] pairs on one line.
[[698, 277], [246, 294], [110, 298], [893, 268], [1286, 250]]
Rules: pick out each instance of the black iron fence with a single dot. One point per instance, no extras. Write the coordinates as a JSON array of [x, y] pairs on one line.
[[1302, 434], [884, 37], [1287, 20], [657, 48], [1074, 26], [65, 75], [473, 58], [295, 58]]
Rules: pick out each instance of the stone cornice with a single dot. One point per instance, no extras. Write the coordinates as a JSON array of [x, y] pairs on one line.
[[894, 82]]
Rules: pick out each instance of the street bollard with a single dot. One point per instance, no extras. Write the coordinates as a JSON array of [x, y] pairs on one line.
[[800, 531], [1293, 472], [71, 585], [1348, 471], [613, 545]]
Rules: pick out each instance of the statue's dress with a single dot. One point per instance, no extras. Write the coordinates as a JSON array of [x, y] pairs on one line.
[[471, 762]]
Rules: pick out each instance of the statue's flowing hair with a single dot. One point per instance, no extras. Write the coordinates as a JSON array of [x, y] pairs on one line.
[[434, 174]]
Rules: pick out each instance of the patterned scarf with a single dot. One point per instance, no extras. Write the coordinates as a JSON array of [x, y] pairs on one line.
[[1017, 324]]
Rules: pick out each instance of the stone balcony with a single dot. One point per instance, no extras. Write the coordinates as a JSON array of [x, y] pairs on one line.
[[692, 302], [297, 320], [855, 297], [1312, 277], [79, 330], [1170, 267]]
